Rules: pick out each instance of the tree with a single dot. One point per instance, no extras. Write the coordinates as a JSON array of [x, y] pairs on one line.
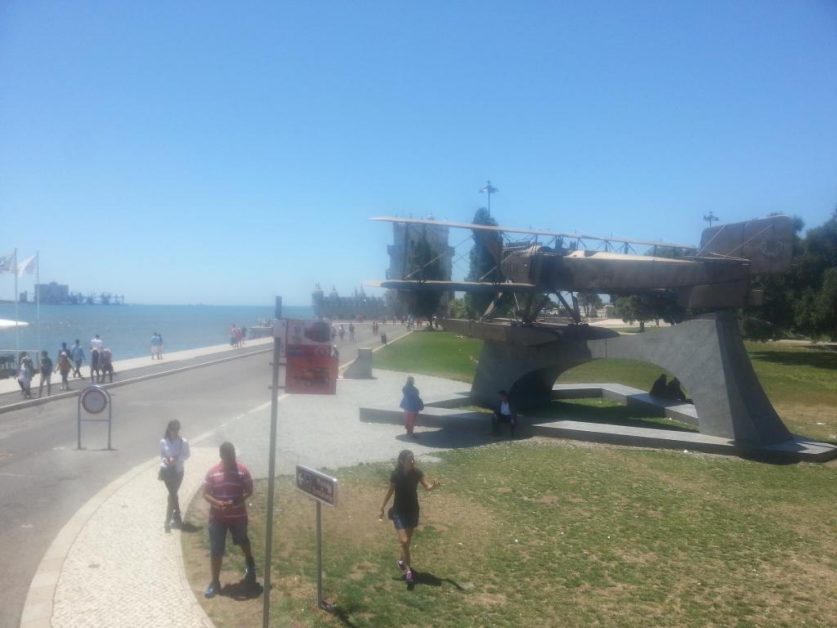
[[635, 309], [774, 316], [589, 301], [484, 258], [801, 299], [816, 275], [485, 266]]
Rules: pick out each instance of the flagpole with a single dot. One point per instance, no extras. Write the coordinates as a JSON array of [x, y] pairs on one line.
[[38, 295], [17, 314]]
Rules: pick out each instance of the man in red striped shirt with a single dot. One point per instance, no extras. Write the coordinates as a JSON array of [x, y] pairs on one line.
[[227, 486]]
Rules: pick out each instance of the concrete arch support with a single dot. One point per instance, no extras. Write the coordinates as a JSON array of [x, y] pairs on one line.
[[706, 354]]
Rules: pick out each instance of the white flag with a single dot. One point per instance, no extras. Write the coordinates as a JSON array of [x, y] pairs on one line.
[[7, 263], [29, 265]]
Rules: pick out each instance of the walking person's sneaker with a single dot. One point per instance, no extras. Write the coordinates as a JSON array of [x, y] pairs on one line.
[[410, 577], [212, 590], [250, 576]]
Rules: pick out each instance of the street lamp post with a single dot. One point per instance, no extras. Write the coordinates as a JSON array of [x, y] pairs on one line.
[[489, 190], [710, 218]]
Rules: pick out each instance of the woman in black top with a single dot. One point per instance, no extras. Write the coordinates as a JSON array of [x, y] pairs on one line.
[[403, 483]]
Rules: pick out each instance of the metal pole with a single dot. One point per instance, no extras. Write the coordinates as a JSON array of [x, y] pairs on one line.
[[79, 420], [319, 556], [110, 420], [38, 298], [271, 480], [17, 312]]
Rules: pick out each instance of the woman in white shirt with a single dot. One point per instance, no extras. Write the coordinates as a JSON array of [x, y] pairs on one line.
[[173, 451]]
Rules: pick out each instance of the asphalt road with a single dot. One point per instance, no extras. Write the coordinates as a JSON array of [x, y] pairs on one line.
[[44, 479]]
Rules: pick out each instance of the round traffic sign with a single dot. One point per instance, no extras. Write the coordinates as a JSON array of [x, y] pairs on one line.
[[94, 399]]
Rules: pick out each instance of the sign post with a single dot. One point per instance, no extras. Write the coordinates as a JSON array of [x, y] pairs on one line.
[[278, 335], [94, 399], [323, 489]]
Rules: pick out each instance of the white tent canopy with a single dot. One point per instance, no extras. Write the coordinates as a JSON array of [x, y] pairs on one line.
[[5, 323]]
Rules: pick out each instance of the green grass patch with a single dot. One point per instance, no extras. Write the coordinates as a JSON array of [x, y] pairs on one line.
[[554, 533], [430, 352], [542, 532]]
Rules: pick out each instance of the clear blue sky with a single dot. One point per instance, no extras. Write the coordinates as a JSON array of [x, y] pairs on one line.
[[223, 153]]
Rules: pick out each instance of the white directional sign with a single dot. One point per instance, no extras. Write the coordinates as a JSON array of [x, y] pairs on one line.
[[318, 485]]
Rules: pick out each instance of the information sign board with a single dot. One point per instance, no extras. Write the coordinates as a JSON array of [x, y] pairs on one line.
[[312, 364], [318, 485]]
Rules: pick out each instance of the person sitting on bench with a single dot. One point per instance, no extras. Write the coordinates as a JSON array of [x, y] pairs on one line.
[[504, 414]]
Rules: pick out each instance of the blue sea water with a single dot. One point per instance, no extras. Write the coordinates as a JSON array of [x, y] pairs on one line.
[[127, 329]]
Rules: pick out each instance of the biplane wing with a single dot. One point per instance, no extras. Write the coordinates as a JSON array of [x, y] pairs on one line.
[[718, 275], [534, 232], [455, 286]]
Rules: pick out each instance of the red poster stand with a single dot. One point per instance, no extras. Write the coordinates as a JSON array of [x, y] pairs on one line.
[[311, 365]]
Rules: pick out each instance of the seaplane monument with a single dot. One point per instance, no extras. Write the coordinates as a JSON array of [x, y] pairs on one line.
[[526, 355]]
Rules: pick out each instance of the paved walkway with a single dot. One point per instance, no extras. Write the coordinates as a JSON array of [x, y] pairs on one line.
[[113, 565]]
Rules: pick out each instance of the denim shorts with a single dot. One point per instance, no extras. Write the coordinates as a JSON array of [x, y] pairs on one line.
[[218, 535], [402, 520]]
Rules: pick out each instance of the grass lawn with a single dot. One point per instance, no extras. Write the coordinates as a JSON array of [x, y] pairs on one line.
[[549, 532]]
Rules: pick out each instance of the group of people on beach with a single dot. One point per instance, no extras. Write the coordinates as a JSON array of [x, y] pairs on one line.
[[67, 363]]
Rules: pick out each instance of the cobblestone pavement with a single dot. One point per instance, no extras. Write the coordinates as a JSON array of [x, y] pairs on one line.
[[113, 565]]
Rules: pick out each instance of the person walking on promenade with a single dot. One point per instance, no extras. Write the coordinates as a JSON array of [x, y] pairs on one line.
[[227, 486], [403, 483], [45, 369], [25, 373], [64, 367], [106, 361], [156, 346], [96, 344], [174, 449], [412, 404], [95, 366], [77, 355]]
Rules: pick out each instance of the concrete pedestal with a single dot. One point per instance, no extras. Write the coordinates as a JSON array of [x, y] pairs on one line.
[[706, 354]]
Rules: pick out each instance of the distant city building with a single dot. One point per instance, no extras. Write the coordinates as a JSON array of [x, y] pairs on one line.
[[52, 292]]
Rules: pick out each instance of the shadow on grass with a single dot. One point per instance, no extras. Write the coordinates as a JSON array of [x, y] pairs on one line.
[[342, 616], [428, 579], [450, 438], [241, 591], [817, 358]]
